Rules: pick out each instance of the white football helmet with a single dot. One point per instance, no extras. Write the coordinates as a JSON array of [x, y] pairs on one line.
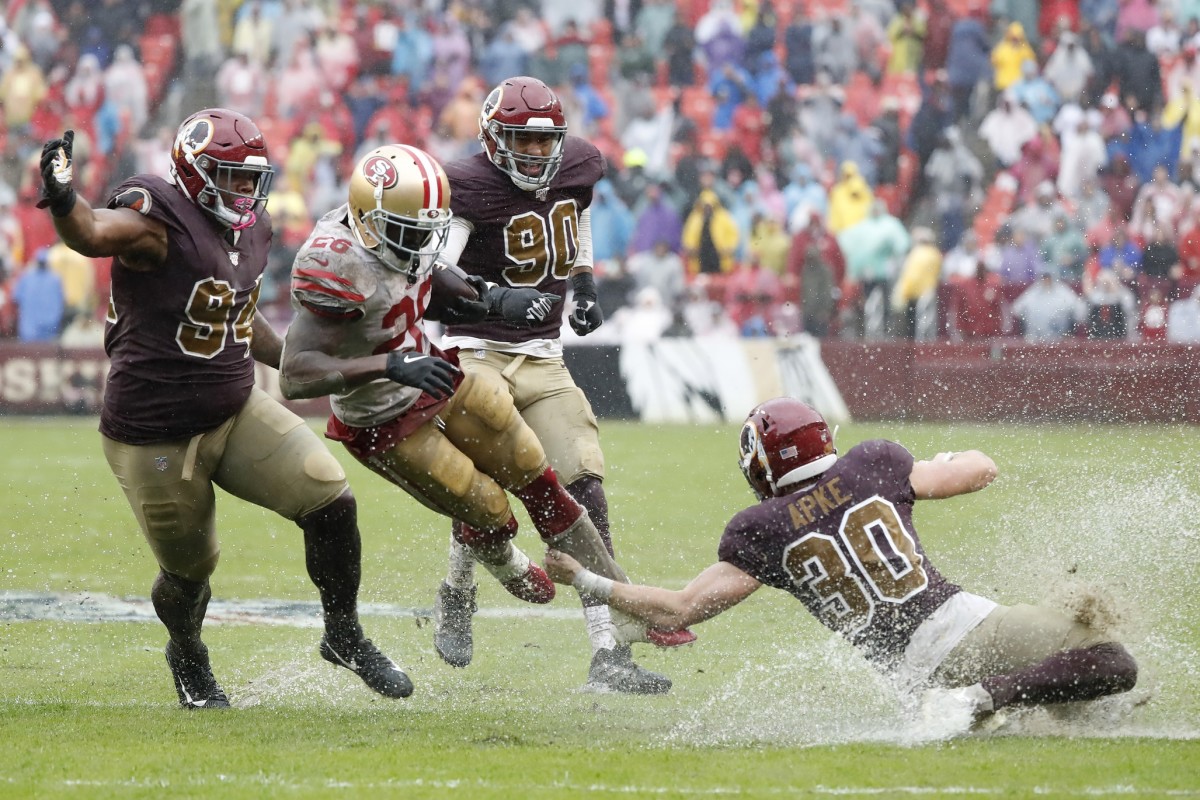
[[400, 207]]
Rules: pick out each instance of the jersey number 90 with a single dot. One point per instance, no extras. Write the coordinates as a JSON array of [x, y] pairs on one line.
[[539, 246]]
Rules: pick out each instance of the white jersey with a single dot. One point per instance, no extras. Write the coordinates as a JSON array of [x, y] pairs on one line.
[[335, 277]]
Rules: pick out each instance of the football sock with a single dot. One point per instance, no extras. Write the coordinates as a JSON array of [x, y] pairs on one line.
[[600, 628], [1068, 676], [589, 492], [181, 605], [461, 574], [550, 507], [332, 553]]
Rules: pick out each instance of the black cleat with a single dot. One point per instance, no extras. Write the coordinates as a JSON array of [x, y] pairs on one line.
[[452, 610], [194, 681], [614, 671], [366, 661]]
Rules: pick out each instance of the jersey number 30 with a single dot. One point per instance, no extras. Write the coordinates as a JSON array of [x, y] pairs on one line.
[[873, 559]]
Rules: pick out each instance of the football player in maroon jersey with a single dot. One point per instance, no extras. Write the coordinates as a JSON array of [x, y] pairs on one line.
[[363, 285], [522, 219], [837, 534], [181, 412]]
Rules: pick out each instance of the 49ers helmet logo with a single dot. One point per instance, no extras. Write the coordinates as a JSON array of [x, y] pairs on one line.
[[381, 172], [195, 137]]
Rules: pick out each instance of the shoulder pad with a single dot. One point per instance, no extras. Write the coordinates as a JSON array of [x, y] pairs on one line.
[[332, 284]]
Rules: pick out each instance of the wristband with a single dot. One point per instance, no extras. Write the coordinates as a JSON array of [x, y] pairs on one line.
[[593, 585], [584, 284]]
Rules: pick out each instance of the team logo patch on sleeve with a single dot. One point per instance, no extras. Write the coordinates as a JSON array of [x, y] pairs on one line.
[[136, 198]]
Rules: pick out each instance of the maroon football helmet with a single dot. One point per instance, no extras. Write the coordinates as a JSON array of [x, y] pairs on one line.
[[520, 105], [784, 442], [213, 149]]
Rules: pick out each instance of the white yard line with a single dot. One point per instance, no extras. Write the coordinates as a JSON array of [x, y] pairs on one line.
[[94, 607], [473, 785]]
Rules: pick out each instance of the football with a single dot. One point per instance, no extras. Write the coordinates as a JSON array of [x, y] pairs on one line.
[[450, 282]]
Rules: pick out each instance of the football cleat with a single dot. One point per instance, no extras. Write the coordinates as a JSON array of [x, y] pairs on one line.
[[366, 661], [664, 638], [615, 671], [194, 681], [452, 610]]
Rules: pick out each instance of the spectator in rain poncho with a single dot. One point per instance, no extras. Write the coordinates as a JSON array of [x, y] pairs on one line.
[[803, 196], [833, 46], [906, 32], [656, 219], [1069, 68], [1007, 128], [955, 179], [612, 223], [1049, 310], [125, 87], [84, 92], [502, 58], [850, 199], [800, 56], [412, 58], [1008, 55], [857, 145], [1083, 154], [1036, 93], [968, 62], [710, 236], [719, 36]]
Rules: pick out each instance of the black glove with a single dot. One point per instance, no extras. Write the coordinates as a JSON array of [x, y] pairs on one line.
[[58, 191], [587, 315], [452, 309], [430, 374], [522, 306]]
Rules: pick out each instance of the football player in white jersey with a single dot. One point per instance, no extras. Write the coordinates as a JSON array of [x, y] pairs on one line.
[[362, 285]]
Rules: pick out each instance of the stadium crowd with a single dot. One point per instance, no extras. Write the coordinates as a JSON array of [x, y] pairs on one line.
[[941, 169]]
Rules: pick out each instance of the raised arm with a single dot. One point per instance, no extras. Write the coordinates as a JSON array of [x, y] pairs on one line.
[[950, 474], [123, 231], [714, 590]]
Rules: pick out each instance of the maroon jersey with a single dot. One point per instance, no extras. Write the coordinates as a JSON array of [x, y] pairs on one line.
[[179, 337], [847, 549], [522, 239]]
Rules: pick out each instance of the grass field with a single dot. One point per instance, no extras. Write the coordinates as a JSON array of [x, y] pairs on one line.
[[765, 705]]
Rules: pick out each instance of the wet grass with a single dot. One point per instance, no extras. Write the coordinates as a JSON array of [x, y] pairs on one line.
[[766, 705]]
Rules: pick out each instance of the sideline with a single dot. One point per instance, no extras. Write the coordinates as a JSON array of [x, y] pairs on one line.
[[95, 607]]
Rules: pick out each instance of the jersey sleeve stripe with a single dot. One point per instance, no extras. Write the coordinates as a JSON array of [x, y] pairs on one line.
[[300, 285], [322, 275], [332, 313]]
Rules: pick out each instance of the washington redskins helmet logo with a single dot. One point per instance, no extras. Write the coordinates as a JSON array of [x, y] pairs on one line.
[[195, 137], [380, 172]]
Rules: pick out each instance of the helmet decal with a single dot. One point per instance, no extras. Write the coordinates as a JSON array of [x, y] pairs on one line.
[[380, 172], [195, 137]]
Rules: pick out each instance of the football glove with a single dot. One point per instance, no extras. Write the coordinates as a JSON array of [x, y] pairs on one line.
[[57, 166], [430, 374], [587, 315], [522, 306], [457, 310]]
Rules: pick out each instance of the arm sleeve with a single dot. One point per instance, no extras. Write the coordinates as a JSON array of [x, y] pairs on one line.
[[584, 259], [456, 240]]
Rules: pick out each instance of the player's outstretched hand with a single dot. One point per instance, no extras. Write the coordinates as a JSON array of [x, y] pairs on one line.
[[57, 168], [561, 567], [522, 306], [587, 315], [430, 374]]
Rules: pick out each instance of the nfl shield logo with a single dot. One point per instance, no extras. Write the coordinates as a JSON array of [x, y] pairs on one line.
[[160, 463], [233, 257]]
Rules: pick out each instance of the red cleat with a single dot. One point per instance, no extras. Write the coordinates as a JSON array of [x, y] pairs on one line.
[[532, 586], [661, 638]]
